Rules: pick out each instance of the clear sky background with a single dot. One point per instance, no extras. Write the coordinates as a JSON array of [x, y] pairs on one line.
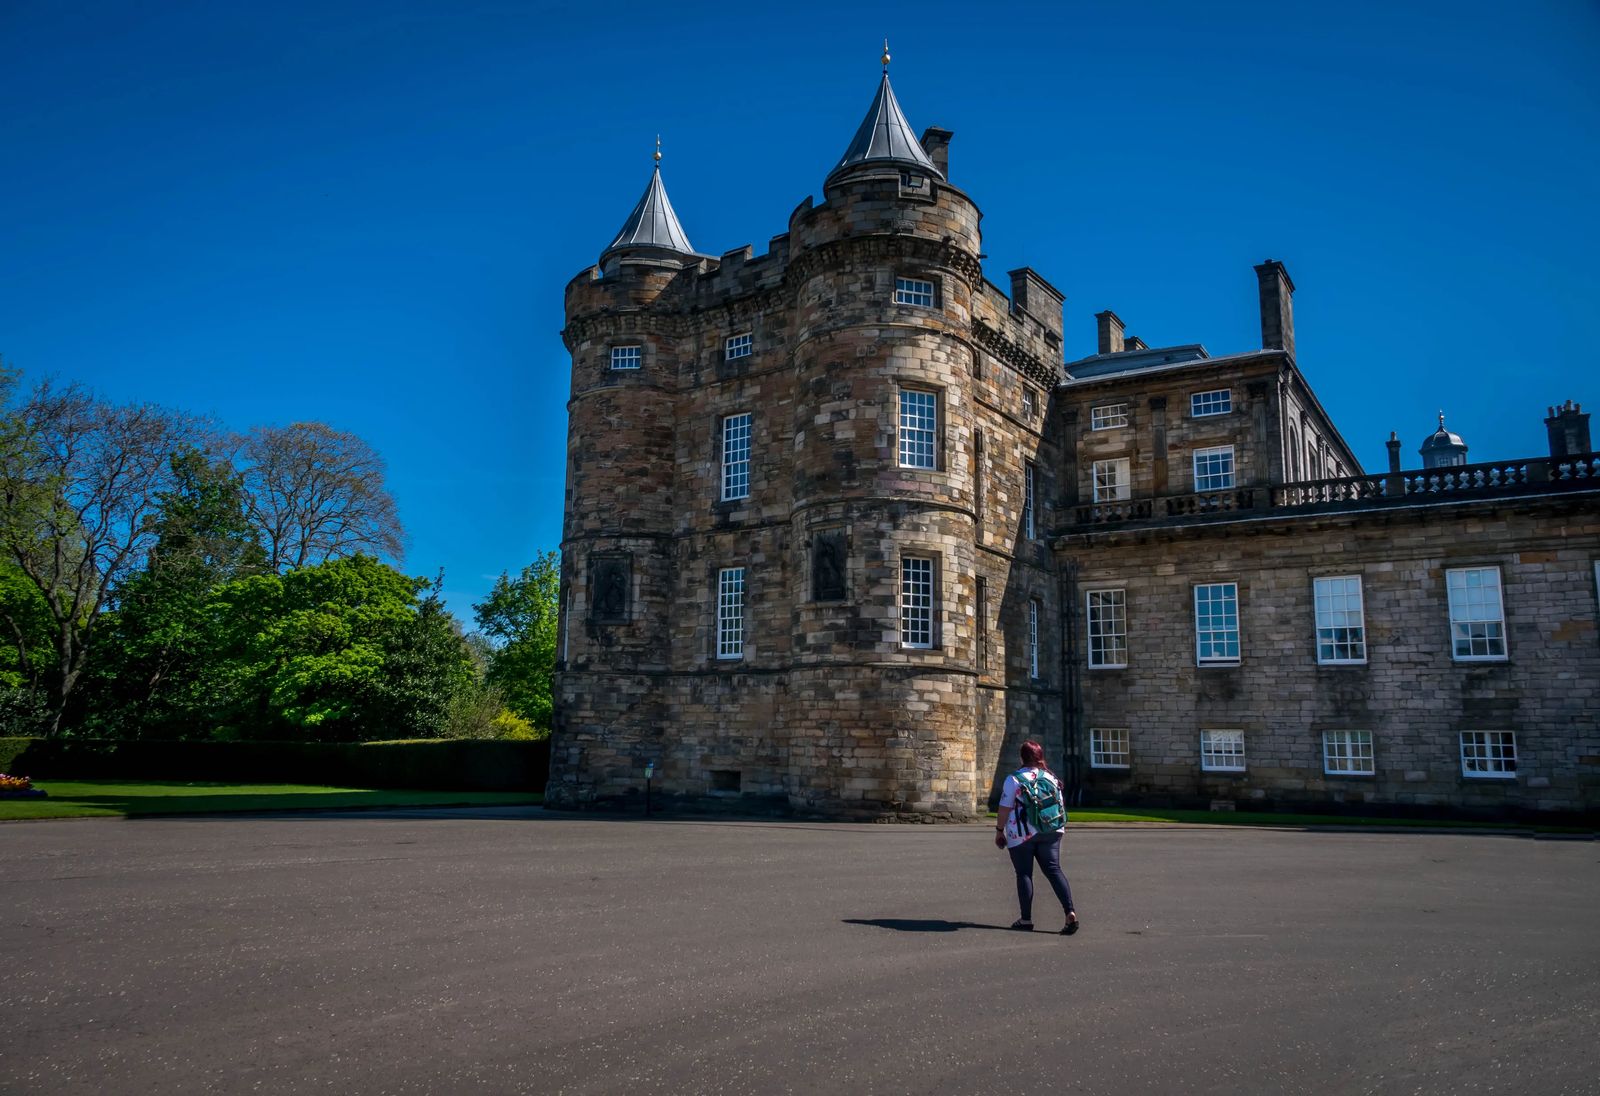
[[365, 213]]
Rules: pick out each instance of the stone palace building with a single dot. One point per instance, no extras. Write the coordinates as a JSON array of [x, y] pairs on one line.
[[844, 526]]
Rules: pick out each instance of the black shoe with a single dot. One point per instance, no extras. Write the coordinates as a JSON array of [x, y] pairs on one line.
[[1072, 927], [1022, 926]]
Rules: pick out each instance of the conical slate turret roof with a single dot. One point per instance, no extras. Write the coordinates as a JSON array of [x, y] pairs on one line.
[[652, 224], [885, 137]]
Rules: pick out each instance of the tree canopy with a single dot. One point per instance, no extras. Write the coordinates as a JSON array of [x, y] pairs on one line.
[[79, 481], [159, 579], [520, 619]]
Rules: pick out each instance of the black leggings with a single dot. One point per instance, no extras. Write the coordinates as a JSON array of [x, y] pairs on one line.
[[1046, 848]]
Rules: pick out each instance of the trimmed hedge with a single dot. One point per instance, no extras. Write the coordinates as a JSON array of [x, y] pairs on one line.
[[443, 764]]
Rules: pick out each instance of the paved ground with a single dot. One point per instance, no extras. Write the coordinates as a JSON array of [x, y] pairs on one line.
[[519, 952]]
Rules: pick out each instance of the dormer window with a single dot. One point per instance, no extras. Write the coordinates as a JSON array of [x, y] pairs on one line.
[[736, 346], [626, 357], [912, 183], [913, 291]]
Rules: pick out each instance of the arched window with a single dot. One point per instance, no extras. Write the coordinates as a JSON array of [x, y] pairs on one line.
[[1292, 472]]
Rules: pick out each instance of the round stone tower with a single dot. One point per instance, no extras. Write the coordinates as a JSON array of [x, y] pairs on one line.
[[783, 520], [881, 693], [620, 500]]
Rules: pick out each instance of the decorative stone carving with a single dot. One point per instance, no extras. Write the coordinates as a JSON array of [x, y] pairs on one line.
[[828, 566], [611, 579]]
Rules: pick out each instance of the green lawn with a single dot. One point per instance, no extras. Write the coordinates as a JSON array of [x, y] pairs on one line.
[[118, 799], [1254, 818]]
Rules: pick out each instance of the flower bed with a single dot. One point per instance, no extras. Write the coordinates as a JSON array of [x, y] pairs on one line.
[[19, 787]]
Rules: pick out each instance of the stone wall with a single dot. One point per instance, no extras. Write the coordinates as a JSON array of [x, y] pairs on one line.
[[1410, 694]]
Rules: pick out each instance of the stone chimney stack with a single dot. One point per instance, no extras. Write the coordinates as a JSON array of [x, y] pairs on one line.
[[1038, 298], [1277, 307], [1394, 451], [1108, 332], [1569, 430], [936, 143]]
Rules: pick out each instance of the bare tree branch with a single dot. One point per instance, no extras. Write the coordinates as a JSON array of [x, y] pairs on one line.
[[79, 481], [317, 493]]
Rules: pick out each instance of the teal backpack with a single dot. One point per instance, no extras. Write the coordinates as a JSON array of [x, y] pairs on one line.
[[1039, 795]]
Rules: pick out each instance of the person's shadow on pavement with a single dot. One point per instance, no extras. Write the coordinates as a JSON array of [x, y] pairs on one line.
[[904, 924]]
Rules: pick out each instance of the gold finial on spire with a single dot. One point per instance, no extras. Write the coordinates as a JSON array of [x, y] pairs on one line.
[[658, 148], [886, 56]]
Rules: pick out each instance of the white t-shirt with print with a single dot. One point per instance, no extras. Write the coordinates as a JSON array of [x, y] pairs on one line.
[[1017, 828]]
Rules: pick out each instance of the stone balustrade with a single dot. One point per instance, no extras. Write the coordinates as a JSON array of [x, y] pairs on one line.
[[1496, 478]]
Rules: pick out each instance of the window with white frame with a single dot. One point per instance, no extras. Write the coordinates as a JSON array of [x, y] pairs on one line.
[[1347, 753], [1108, 748], [1477, 615], [919, 418], [1112, 479], [1341, 628], [916, 601], [914, 291], [1030, 402], [737, 346], [1489, 753], [1213, 468], [1107, 612], [730, 612], [1033, 638], [626, 357], [1216, 623], [736, 457], [1222, 751], [1030, 477], [1108, 415], [1218, 402]]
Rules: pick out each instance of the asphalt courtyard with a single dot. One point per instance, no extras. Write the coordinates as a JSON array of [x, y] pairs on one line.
[[519, 951]]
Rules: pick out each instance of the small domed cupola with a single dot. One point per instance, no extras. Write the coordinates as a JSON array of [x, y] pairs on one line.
[[1443, 449], [652, 229], [885, 137]]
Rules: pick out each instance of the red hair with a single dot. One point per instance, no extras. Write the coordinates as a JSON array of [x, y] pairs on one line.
[[1032, 753]]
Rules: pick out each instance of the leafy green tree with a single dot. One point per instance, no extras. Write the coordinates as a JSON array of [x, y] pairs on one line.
[[519, 617], [146, 675], [350, 649], [426, 665], [26, 640], [79, 481], [26, 654]]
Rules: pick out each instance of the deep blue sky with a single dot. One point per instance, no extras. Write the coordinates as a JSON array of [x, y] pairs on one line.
[[366, 213]]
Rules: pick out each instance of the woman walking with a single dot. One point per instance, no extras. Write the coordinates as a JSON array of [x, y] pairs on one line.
[[1031, 821]]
